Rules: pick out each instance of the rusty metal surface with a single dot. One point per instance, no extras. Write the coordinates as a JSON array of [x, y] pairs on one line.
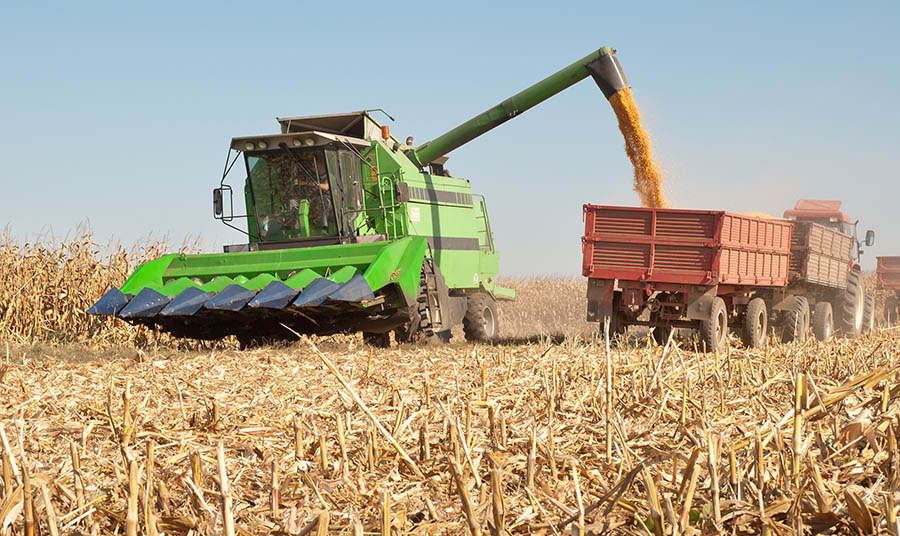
[[690, 247]]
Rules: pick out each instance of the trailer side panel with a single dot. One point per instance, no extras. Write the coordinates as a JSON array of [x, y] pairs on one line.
[[691, 247]]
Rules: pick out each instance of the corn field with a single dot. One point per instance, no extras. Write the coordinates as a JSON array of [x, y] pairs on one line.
[[553, 431]]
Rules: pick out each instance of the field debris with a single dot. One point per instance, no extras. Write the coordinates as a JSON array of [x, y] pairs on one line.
[[544, 437]]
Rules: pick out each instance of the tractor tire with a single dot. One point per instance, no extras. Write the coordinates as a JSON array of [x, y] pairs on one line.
[[891, 310], [756, 324], [714, 330], [851, 306], [796, 320], [868, 313], [823, 321], [480, 323], [378, 340]]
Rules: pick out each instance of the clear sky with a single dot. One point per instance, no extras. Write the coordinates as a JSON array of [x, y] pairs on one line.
[[119, 114]]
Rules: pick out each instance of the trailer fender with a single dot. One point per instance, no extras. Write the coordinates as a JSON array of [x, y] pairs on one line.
[[700, 301], [600, 299]]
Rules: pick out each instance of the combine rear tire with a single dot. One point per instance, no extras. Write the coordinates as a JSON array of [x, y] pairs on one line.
[[823, 321], [480, 323], [378, 340], [756, 324], [852, 303], [714, 330], [868, 314], [796, 320]]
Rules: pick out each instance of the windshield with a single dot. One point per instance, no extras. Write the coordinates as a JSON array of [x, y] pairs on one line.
[[292, 194]]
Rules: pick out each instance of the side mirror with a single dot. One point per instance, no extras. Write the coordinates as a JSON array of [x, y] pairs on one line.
[[219, 201], [218, 205], [870, 238]]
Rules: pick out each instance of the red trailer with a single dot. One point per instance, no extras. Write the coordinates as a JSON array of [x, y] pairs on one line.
[[888, 279], [687, 268], [713, 270]]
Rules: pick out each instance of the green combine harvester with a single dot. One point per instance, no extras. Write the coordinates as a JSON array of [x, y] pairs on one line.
[[348, 230]]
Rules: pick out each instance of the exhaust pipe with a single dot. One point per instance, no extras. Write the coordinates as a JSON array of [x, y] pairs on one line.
[[608, 74]]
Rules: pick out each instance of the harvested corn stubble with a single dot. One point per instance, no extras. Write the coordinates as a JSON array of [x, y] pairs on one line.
[[826, 416]]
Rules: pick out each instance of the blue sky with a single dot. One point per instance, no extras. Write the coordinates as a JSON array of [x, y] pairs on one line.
[[120, 114]]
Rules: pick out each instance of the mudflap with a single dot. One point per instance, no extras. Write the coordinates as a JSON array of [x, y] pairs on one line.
[[700, 300]]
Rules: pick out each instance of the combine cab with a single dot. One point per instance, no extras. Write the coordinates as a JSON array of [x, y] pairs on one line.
[[348, 229]]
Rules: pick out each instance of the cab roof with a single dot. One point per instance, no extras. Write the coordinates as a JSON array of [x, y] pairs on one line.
[[817, 208]]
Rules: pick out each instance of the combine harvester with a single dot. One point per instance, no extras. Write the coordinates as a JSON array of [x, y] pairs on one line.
[[348, 230], [715, 271]]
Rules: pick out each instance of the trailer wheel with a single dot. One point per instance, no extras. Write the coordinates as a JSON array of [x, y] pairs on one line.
[[869, 314], [891, 306], [714, 330], [480, 322], [852, 303], [378, 340], [823, 321], [660, 333], [756, 324], [796, 320]]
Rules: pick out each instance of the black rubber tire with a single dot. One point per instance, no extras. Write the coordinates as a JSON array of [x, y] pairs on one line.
[[480, 323], [890, 313], [756, 324], [714, 330], [851, 308], [616, 319], [823, 321], [660, 333], [868, 313], [378, 340], [796, 320], [419, 326]]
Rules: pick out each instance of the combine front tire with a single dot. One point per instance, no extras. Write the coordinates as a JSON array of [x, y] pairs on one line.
[[852, 303], [869, 314], [714, 330], [796, 320], [480, 323], [756, 322], [823, 321], [378, 340]]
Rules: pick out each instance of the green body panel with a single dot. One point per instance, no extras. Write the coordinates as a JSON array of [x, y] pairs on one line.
[[397, 262]]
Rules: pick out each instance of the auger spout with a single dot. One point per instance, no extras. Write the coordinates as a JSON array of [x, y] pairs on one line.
[[602, 65]]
